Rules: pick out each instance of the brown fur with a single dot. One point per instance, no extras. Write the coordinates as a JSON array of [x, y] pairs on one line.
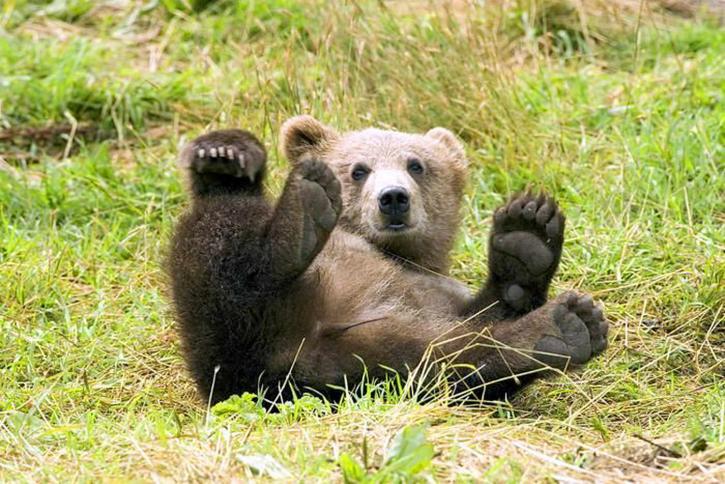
[[319, 288], [439, 195]]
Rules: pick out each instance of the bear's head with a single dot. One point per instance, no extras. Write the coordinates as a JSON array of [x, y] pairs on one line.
[[401, 191]]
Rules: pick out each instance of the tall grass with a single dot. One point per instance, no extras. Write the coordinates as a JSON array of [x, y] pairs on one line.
[[614, 107]]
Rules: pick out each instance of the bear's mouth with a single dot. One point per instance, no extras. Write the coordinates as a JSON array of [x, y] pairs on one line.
[[396, 227], [396, 223], [393, 228]]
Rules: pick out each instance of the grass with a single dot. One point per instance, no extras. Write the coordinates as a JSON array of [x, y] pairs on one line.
[[617, 109]]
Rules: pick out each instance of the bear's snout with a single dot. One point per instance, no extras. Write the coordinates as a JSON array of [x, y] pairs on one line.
[[394, 203]]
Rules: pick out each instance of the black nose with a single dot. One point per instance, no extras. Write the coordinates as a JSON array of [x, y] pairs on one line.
[[394, 201]]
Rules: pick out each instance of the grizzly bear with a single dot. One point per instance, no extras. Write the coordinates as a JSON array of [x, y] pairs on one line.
[[346, 275]]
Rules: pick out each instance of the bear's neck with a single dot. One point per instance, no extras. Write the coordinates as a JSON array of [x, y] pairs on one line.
[[424, 253]]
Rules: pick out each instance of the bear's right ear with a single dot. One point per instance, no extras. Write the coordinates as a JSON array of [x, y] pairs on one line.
[[451, 142], [303, 136]]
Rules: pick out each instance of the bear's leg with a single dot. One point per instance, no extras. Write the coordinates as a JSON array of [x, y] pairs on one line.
[[217, 263], [233, 255], [232, 162], [524, 252], [570, 329], [304, 217], [493, 361]]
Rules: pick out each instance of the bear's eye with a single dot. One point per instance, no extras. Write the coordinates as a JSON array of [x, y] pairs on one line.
[[359, 172], [415, 166]]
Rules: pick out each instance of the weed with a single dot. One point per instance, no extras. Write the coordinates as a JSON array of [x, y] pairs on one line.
[[614, 107]]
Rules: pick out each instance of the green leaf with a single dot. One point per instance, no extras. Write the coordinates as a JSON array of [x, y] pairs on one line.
[[245, 406], [352, 471], [410, 452]]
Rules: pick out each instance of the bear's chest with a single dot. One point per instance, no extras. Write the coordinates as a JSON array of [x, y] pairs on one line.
[[351, 282], [351, 276]]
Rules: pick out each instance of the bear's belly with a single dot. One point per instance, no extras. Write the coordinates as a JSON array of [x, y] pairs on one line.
[[351, 282], [350, 285]]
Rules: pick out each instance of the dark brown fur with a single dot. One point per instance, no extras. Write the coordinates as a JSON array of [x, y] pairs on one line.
[[304, 291]]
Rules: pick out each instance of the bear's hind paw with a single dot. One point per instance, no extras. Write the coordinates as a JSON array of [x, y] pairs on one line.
[[582, 330]]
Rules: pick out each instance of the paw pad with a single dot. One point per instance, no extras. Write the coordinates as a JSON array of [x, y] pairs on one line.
[[321, 191], [534, 214], [525, 247], [582, 331]]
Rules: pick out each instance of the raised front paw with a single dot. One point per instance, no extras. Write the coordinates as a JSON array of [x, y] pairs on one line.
[[319, 192], [305, 216], [525, 248], [232, 152], [578, 331]]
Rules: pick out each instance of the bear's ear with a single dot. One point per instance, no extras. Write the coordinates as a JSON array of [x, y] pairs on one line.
[[451, 142], [303, 136]]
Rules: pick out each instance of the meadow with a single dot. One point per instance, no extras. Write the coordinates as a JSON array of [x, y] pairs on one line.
[[617, 108]]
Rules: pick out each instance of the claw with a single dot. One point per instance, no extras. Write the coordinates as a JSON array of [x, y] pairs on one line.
[[545, 212], [597, 313], [515, 208], [499, 215], [250, 172], [586, 303], [570, 298], [529, 211], [553, 228]]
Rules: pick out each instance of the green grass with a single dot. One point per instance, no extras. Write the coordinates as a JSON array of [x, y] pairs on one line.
[[619, 113]]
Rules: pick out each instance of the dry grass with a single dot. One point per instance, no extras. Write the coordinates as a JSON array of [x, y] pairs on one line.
[[615, 107]]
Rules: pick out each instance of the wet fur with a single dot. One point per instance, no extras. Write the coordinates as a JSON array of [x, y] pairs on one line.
[[303, 291]]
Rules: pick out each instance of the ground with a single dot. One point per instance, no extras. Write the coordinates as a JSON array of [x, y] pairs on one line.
[[617, 108]]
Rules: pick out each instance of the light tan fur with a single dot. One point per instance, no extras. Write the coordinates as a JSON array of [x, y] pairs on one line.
[[354, 285], [435, 198]]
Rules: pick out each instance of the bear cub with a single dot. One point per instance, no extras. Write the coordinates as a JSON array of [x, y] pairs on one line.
[[346, 274]]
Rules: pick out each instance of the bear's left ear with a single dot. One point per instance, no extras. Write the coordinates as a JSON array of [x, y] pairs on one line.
[[305, 136], [451, 142]]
